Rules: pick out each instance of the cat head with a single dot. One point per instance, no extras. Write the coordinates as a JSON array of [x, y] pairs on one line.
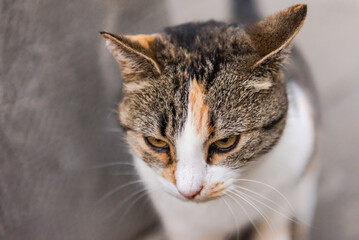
[[202, 100]]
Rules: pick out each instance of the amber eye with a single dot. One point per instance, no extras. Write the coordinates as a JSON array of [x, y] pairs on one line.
[[225, 144], [156, 144]]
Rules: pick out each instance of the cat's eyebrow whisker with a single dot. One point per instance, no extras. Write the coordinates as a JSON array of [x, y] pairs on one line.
[[246, 213], [112, 111], [239, 194], [117, 189], [114, 130], [269, 186], [114, 103], [233, 215], [113, 164]]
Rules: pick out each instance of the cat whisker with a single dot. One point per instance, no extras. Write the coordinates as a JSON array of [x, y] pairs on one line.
[[140, 194], [262, 196], [269, 186], [113, 164], [112, 112], [115, 103], [234, 217], [125, 174], [113, 130], [246, 213], [117, 189], [274, 210], [145, 193], [239, 194]]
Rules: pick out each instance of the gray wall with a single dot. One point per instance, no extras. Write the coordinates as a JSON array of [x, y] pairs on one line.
[[58, 87]]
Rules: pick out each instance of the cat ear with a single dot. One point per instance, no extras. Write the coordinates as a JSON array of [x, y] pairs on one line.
[[275, 32], [134, 53]]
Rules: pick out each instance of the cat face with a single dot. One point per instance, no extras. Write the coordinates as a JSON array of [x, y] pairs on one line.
[[203, 100]]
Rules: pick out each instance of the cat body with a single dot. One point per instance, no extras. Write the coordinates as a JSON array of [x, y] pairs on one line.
[[221, 139]]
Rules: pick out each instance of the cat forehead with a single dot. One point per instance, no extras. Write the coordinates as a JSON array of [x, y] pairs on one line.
[[161, 107], [218, 57], [209, 52]]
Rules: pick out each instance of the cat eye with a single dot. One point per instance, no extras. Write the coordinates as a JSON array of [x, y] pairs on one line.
[[156, 144], [225, 145]]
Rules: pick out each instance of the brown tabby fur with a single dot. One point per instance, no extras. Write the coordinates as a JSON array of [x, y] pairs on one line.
[[238, 70]]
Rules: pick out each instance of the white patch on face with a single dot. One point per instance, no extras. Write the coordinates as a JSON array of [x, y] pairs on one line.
[[170, 188], [262, 84], [135, 86], [191, 166], [193, 175]]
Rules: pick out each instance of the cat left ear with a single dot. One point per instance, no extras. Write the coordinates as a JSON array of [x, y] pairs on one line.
[[273, 34], [134, 53]]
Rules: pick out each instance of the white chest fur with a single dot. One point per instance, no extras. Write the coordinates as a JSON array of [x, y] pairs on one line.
[[280, 169]]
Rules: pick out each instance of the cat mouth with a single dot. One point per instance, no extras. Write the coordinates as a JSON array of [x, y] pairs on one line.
[[206, 193], [206, 198], [210, 196], [197, 199]]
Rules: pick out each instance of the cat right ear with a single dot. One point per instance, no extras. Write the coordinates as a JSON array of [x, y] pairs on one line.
[[273, 34], [134, 53]]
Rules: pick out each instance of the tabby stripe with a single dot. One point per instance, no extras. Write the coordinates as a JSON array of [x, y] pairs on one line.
[[272, 124]]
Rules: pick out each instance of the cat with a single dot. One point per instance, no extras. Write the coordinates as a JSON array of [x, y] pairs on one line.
[[225, 143]]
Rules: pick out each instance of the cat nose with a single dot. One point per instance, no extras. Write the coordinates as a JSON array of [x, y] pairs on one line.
[[190, 193], [190, 177]]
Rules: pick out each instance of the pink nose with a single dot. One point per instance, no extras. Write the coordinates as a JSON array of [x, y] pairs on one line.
[[190, 193]]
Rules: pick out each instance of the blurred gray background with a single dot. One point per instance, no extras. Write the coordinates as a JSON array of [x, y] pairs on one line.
[[58, 92]]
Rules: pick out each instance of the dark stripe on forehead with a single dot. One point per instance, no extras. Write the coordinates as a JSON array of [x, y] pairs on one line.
[[197, 70], [212, 124], [163, 124], [173, 116], [191, 73], [212, 74]]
